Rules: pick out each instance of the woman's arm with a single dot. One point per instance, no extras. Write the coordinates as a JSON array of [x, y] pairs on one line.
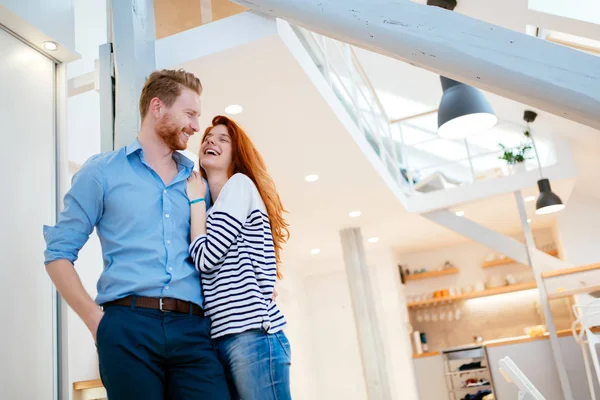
[[196, 191], [212, 237]]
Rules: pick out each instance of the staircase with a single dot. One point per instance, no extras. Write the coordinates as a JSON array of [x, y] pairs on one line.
[[425, 172]]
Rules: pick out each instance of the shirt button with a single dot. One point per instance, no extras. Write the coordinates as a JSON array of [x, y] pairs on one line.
[[167, 287], [170, 268], [168, 242], [165, 191], [167, 215]]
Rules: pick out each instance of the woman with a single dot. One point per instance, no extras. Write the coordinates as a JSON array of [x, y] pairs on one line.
[[236, 249]]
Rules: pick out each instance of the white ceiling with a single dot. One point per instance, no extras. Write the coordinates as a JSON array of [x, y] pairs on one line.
[[298, 134]]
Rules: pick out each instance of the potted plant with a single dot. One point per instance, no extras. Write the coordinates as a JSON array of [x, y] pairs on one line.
[[515, 157]]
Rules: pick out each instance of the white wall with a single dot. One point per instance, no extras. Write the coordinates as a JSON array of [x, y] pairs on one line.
[[83, 124], [335, 350], [293, 301], [577, 231], [52, 17], [583, 10], [394, 321], [468, 257]]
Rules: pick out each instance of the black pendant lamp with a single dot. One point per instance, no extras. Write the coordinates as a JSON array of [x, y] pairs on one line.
[[463, 111], [547, 202]]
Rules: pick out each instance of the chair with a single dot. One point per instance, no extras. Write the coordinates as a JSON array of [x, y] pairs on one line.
[[513, 374], [585, 315]]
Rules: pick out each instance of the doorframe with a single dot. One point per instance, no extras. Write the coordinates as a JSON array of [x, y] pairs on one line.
[[60, 185]]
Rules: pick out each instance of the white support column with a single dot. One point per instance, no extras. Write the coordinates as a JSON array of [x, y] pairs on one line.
[[537, 273], [133, 36], [545, 75], [365, 315]]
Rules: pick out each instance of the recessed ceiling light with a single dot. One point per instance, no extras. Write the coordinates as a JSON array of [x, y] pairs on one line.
[[311, 178], [234, 109], [373, 239], [315, 251], [460, 213], [529, 199], [354, 214], [50, 46]]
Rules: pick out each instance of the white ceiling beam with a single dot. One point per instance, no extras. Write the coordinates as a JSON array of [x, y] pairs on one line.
[[499, 242], [545, 75]]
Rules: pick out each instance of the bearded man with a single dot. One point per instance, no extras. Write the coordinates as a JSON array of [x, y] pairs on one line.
[[147, 321]]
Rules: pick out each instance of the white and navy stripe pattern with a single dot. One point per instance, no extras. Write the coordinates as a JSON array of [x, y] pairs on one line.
[[236, 260]]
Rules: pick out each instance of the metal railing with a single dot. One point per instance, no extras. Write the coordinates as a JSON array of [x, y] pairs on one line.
[[344, 74], [406, 162]]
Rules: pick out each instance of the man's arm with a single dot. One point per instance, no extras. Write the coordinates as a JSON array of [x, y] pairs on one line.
[[83, 207], [69, 286]]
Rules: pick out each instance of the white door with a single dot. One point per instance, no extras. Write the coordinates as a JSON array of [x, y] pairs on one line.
[[27, 201]]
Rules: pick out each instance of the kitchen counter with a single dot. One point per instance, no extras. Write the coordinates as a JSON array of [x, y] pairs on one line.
[[533, 355], [509, 341]]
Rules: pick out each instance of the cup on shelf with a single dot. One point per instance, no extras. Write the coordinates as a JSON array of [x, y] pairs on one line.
[[479, 286]]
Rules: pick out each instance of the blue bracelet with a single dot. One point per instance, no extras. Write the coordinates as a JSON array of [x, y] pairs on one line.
[[197, 200]]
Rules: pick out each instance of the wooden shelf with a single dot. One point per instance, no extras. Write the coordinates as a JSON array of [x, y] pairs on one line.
[[474, 295], [507, 261], [432, 274], [83, 385]]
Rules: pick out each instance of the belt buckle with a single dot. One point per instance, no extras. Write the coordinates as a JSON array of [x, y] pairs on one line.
[[160, 306]]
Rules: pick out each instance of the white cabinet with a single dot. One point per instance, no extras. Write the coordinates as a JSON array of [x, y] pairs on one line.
[[431, 379]]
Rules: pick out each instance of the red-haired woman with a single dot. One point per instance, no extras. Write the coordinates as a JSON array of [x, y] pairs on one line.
[[235, 246]]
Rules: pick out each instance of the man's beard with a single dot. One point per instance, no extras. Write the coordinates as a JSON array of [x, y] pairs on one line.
[[170, 133]]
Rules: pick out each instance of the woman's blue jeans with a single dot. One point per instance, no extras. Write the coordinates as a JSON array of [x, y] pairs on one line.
[[257, 365]]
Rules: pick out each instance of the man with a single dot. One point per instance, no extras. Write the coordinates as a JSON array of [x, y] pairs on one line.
[[152, 337]]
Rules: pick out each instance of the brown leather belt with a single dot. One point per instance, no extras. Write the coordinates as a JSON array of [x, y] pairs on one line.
[[162, 304]]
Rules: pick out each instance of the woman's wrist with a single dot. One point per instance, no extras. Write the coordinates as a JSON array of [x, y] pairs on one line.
[[198, 200]]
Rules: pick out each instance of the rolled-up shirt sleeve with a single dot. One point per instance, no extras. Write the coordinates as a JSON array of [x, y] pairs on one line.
[[83, 205]]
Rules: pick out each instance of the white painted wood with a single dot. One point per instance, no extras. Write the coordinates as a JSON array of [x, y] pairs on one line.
[[134, 39], [571, 284], [27, 165], [226, 33], [81, 84], [206, 11], [365, 313], [550, 77], [503, 244], [537, 273], [564, 168]]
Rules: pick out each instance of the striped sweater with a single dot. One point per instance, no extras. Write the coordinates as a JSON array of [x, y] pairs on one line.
[[236, 260]]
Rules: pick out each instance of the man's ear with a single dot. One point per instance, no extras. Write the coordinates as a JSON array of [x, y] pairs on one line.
[[156, 107]]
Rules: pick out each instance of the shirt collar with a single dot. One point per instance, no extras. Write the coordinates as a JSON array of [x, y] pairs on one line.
[[133, 147], [183, 160], [179, 158]]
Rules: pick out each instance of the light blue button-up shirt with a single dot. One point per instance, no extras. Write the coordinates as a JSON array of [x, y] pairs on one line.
[[143, 226]]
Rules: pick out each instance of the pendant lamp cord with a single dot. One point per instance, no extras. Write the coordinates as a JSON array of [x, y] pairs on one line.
[[537, 155]]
